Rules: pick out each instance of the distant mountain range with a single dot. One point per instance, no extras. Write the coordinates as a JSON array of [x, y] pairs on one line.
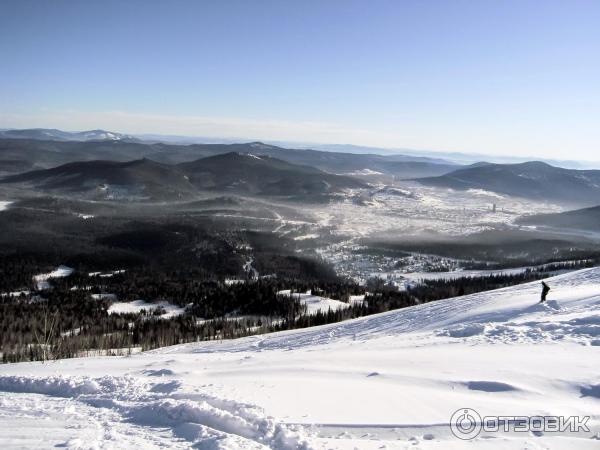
[[406, 154], [534, 180], [59, 135], [37, 149], [18, 154], [444, 157], [244, 174]]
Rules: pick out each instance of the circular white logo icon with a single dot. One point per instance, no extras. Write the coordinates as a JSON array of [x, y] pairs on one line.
[[465, 423]]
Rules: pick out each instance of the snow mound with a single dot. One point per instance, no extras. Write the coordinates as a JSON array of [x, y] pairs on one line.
[[204, 421], [55, 386], [467, 330]]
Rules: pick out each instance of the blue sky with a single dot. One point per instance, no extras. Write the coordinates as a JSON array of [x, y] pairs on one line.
[[498, 77]]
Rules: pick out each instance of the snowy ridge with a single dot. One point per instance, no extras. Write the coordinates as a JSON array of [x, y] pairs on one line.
[[390, 380]]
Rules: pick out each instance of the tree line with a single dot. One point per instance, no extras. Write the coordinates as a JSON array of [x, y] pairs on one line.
[[69, 323]]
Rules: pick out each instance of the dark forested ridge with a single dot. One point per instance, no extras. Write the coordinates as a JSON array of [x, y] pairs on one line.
[[494, 249], [32, 151], [580, 219], [145, 179], [533, 179]]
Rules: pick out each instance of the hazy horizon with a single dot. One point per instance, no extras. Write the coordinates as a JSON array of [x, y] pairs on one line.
[[450, 156], [509, 78]]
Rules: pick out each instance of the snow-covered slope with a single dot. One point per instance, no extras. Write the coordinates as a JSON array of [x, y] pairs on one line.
[[387, 381]]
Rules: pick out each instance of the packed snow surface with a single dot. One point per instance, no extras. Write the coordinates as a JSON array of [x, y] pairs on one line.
[[390, 381]]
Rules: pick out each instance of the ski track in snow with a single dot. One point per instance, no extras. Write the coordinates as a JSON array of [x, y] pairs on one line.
[[211, 421], [390, 380]]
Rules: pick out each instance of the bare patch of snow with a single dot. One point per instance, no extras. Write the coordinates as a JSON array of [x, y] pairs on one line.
[[106, 274], [315, 303], [138, 306], [364, 172], [4, 205], [111, 297], [483, 192], [16, 293], [41, 280], [306, 236]]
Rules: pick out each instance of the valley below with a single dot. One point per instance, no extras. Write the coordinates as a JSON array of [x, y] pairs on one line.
[[240, 300]]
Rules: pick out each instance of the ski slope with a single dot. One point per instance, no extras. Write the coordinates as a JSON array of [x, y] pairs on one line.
[[390, 381]]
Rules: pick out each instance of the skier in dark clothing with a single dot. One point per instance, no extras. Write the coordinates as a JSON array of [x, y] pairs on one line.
[[545, 290]]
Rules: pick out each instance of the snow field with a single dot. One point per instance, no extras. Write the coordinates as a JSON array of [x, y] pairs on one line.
[[390, 380]]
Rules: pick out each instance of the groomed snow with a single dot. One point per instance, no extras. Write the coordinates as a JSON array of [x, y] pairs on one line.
[[385, 381]]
